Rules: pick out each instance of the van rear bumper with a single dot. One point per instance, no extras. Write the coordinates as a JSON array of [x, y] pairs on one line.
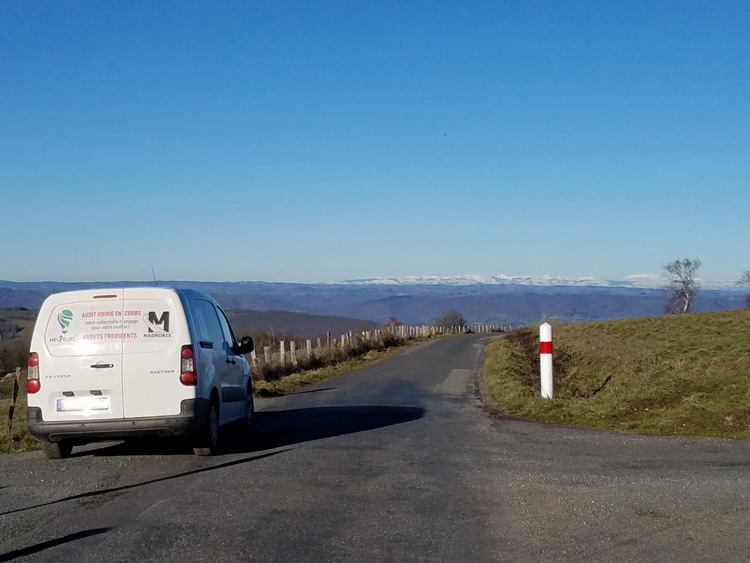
[[193, 415]]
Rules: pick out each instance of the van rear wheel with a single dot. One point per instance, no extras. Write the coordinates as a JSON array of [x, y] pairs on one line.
[[57, 450], [208, 440]]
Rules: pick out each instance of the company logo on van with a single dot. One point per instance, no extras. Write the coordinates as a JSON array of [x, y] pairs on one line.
[[158, 326], [64, 318]]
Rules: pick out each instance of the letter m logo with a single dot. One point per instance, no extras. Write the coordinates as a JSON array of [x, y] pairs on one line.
[[158, 324]]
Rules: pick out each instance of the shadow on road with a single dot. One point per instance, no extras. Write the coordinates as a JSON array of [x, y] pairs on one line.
[[274, 429], [149, 482], [31, 550]]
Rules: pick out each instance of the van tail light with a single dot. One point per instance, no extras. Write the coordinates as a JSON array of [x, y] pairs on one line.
[[187, 366], [32, 382]]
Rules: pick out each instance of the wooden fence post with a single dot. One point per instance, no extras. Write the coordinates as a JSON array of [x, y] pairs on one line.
[[293, 350], [267, 354], [13, 398], [308, 345], [282, 353]]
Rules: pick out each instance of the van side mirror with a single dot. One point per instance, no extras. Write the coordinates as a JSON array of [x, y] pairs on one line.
[[245, 346]]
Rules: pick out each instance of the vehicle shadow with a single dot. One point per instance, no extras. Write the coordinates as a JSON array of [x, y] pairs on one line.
[[275, 429], [31, 550]]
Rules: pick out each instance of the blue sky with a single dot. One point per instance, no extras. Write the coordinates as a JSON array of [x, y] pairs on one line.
[[307, 141]]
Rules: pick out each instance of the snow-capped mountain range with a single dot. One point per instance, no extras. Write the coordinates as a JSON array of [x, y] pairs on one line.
[[646, 281], [420, 299]]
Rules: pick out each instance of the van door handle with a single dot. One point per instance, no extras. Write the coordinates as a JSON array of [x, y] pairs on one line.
[[102, 366], [206, 344]]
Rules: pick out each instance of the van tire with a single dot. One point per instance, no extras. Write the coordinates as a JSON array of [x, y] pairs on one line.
[[57, 450], [207, 442]]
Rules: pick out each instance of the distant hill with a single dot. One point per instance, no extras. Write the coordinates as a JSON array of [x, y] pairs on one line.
[[16, 323], [13, 297], [506, 303], [303, 325], [16, 327]]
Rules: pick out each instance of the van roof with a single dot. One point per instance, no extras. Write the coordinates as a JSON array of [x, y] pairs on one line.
[[154, 291]]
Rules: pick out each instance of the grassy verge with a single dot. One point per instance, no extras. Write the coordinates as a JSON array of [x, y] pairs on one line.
[[678, 375], [20, 440], [297, 381]]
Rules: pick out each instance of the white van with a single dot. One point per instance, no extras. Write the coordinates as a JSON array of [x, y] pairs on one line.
[[111, 364]]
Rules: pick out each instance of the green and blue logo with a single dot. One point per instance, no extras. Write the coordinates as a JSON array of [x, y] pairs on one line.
[[64, 318]]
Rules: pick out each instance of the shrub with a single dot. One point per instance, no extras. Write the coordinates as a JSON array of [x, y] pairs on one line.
[[449, 319], [525, 360]]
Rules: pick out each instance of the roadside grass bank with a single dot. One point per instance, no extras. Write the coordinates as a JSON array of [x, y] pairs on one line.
[[684, 375], [296, 381], [19, 440]]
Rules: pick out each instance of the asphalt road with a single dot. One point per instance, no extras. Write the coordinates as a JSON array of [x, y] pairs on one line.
[[396, 462]]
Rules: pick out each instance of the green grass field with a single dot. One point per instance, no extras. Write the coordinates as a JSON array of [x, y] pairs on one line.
[[678, 375]]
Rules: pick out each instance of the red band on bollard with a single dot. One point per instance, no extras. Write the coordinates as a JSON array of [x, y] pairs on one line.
[[545, 347]]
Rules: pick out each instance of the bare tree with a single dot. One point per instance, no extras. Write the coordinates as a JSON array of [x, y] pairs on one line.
[[682, 285], [745, 279], [449, 319]]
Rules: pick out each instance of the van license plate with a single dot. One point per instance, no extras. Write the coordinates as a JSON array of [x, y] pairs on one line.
[[83, 404]]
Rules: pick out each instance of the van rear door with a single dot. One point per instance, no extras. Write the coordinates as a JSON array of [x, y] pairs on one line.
[[151, 360], [81, 364]]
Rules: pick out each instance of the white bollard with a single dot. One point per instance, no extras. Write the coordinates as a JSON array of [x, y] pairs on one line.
[[545, 359]]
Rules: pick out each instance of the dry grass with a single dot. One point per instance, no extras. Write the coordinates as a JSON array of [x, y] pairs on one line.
[[680, 375], [20, 440], [327, 357], [297, 381]]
